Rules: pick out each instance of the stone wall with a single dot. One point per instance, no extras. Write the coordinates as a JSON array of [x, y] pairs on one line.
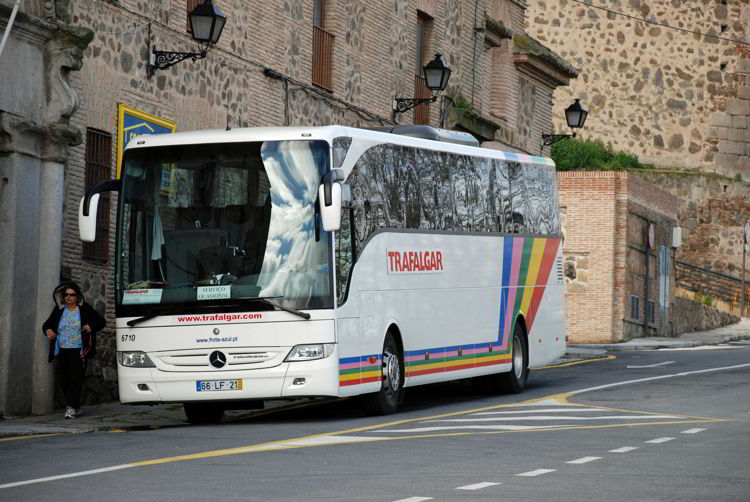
[[712, 211], [673, 98], [692, 316]]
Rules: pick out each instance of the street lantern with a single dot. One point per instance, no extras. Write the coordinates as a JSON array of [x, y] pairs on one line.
[[206, 24], [436, 76], [575, 116]]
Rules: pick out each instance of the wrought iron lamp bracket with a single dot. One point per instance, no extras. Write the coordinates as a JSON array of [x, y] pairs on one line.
[[161, 60], [404, 104]]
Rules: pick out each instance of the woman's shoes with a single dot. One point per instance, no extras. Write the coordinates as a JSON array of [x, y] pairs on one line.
[[71, 412]]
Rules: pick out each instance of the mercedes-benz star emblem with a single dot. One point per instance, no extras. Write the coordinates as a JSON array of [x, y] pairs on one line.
[[216, 331], [217, 359]]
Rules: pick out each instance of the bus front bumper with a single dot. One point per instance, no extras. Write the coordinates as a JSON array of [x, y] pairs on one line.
[[287, 380]]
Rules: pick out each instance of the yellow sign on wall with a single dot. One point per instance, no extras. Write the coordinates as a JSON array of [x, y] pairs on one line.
[[132, 123]]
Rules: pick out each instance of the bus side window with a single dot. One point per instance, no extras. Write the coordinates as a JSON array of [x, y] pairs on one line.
[[345, 254]]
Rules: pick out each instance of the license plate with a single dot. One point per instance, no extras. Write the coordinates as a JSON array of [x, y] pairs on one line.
[[209, 385]]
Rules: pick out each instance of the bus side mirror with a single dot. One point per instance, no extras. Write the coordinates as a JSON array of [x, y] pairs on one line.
[[89, 206], [330, 214], [329, 195], [87, 218]]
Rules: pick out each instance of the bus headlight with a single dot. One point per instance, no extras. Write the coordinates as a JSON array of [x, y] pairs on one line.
[[310, 352], [136, 359]]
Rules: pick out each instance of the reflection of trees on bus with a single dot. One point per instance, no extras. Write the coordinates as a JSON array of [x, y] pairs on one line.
[[396, 186]]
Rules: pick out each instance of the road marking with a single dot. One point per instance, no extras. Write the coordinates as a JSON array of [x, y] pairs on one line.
[[537, 472], [660, 377], [693, 431], [659, 440], [14, 438], [583, 460], [64, 476], [553, 400], [470, 427], [652, 365], [477, 486], [554, 417], [548, 410], [574, 363], [414, 499], [624, 449]]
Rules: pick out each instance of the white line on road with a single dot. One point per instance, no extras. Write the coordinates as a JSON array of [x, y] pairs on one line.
[[64, 476], [653, 365], [477, 486], [660, 377], [693, 431], [624, 449], [583, 460], [548, 410], [553, 417], [414, 499], [537, 472], [659, 440]]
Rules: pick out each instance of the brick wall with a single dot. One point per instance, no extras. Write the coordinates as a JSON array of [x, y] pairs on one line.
[[603, 225]]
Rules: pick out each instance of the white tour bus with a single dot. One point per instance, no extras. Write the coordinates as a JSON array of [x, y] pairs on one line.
[[275, 263]]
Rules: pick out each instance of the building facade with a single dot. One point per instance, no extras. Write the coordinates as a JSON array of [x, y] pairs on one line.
[[619, 256], [293, 62]]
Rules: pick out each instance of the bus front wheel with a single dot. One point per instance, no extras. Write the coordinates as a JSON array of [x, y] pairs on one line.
[[203, 413], [390, 395]]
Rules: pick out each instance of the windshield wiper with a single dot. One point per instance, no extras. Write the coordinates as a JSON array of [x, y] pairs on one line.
[[139, 320], [267, 301]]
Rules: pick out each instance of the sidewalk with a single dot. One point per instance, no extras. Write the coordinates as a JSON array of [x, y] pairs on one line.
[[115, 417]]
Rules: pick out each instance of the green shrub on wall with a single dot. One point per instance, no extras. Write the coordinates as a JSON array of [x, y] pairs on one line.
[[577, 155]]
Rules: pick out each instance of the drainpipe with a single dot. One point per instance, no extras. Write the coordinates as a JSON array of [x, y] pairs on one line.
[[10, 25]]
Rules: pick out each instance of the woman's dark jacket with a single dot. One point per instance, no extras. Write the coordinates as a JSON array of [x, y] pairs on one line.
[[88, 316]]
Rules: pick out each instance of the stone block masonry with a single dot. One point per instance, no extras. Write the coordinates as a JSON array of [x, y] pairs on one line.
[[658, 93]]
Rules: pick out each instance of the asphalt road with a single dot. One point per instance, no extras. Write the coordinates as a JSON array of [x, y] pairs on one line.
[[668, 425]]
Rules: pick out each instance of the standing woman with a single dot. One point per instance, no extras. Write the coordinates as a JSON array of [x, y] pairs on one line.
[[73, 328]]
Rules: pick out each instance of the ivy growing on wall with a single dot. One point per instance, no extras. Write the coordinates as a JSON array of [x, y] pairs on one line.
[[585, 155]]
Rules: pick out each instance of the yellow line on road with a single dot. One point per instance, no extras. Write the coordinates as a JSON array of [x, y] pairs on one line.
[[33, 436], [574, 363]]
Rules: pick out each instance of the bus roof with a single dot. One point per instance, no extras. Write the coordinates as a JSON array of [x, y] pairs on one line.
[[370, 137]]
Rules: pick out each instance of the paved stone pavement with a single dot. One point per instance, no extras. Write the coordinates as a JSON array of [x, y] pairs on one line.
[[117, 417]]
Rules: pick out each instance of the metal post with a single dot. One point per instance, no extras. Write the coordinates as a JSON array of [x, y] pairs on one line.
[[742, 287]]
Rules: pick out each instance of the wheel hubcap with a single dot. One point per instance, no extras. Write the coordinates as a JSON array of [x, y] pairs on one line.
[[517, 357], [391, 371]]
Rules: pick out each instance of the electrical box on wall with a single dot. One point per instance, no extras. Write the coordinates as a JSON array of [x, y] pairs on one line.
[[676, 237]]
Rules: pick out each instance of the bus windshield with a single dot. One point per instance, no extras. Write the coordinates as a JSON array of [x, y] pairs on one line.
[[202, 227]]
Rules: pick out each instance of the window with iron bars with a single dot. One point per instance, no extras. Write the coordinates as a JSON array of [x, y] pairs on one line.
[[635, 307], [322, 63], [650, 316], [98, 169]]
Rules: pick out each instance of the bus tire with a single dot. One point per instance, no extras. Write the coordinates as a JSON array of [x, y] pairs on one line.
[[515, 381], [390, 395], [203, 413]]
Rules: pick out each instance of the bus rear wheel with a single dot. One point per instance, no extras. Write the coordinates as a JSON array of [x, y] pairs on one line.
[[390, 395], [203, 413], [515, 381]]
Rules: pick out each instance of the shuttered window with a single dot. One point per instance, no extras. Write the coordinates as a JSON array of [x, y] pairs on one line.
[[98, 169]]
